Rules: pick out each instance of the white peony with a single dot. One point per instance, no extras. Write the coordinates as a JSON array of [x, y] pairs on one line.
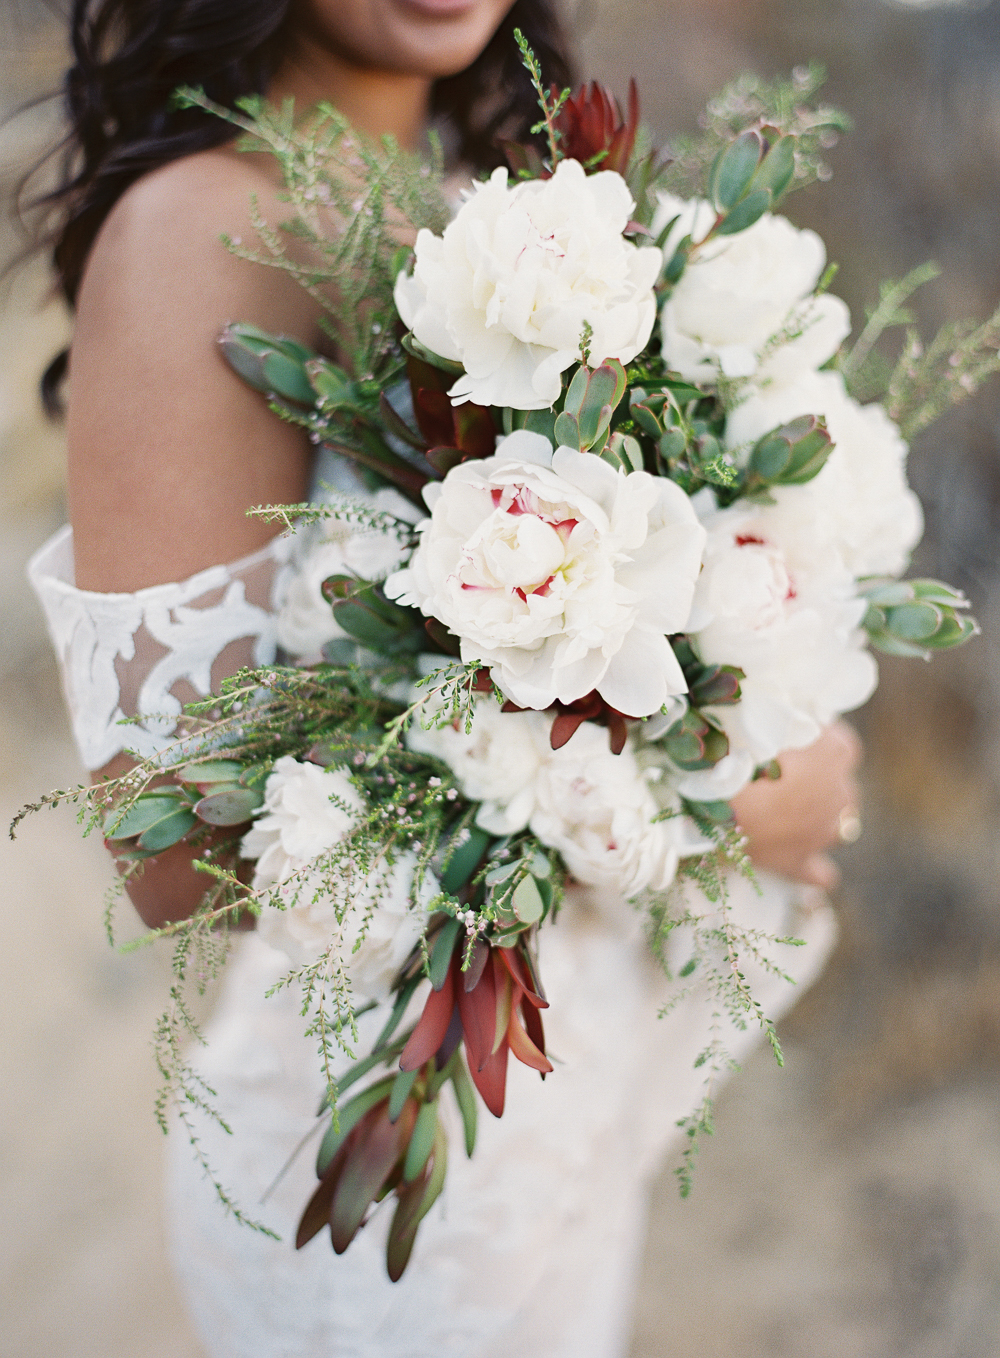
[[860, 503], [305, 619], [597, 809], [495, 764], [509, 288], [787, 616], [300, 821], [560, 573], [740, 292]]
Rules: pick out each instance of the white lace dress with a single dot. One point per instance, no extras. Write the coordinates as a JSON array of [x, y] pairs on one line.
[[533, 1247]]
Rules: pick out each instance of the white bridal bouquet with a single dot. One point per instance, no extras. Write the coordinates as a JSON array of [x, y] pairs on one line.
[[611, 530]]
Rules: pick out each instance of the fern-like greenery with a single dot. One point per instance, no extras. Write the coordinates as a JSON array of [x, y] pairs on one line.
[[356, 205]]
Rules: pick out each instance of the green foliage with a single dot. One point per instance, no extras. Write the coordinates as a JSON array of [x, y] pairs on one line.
[[353, 204], [916, 617], [591, 399], [784, 108], [790, 455], [551, 105]]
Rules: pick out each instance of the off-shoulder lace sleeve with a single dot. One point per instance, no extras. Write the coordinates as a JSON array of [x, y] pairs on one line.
[[147, 654]]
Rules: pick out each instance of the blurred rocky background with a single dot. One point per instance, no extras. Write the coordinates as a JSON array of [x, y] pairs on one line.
[[848, 1205]]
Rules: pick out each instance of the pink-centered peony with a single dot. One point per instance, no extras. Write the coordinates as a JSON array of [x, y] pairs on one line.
[[560, 573]]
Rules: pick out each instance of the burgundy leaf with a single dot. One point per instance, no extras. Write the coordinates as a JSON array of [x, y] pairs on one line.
[[524, 1049], [373, 1149], [432, 1026], [478, 1008], [491, 1081], [515, 964]]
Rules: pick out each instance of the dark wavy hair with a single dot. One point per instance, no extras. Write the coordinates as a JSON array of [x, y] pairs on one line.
[[130, 55]]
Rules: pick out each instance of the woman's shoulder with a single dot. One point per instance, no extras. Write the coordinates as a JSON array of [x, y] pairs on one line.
[[162, 242]]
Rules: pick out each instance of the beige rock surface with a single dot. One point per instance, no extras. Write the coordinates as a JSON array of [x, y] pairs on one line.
[[849, 1206]]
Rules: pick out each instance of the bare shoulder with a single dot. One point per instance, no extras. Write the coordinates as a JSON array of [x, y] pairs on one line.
[[163, 240], [167, 448]]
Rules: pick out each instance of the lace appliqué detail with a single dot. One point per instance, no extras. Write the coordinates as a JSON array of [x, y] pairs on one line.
[[147, 654]]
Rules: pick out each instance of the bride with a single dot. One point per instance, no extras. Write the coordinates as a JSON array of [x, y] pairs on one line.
[[165, 585]]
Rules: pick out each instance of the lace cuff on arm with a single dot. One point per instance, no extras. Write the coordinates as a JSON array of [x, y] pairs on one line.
[[147, 654]]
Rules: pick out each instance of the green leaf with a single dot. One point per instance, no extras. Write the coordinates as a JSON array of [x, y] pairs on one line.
[[167, 832], [413, 346], [566, 431], [401, 1089], [777, 168], [672, 445], [527, 901], [465, 1096], [347, 1119], [734, 170], [444, 946], [745, 213], [330, 384], [287, 378], [212, 771], [421, 1142], [500, 872], [398, 1010], [464, 861], [913, 622]]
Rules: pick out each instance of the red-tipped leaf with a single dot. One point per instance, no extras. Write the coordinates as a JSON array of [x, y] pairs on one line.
[[491, 1081], [430, 1031]]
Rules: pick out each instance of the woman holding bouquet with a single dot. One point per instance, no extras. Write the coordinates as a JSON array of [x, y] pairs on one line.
[[537, 1248]]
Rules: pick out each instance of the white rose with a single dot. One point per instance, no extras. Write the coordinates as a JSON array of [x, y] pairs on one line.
[[740, 292], [509, 288], [860, 502], [300, 821], [596, 808], [495, 764], [305, 619], [790, 622], [560, 573]]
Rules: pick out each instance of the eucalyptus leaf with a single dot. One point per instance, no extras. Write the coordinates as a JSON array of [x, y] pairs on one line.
[[229, 806], [212, 771], [527, 901], [145, 812], [168, 831]]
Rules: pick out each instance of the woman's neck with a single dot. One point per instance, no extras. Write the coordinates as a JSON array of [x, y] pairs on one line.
[[376, 102]]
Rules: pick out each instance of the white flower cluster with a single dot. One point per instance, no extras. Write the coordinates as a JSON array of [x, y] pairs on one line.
[[566, 577], [308, 811], [597, 809], [777, 595], [305, 621]]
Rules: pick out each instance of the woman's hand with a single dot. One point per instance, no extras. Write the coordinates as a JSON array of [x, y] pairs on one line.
[[791, 821]]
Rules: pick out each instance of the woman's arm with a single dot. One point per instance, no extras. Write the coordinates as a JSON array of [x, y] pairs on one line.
[[167, 448]]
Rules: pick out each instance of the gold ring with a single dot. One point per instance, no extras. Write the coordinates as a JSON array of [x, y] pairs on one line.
[[849, 826]]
